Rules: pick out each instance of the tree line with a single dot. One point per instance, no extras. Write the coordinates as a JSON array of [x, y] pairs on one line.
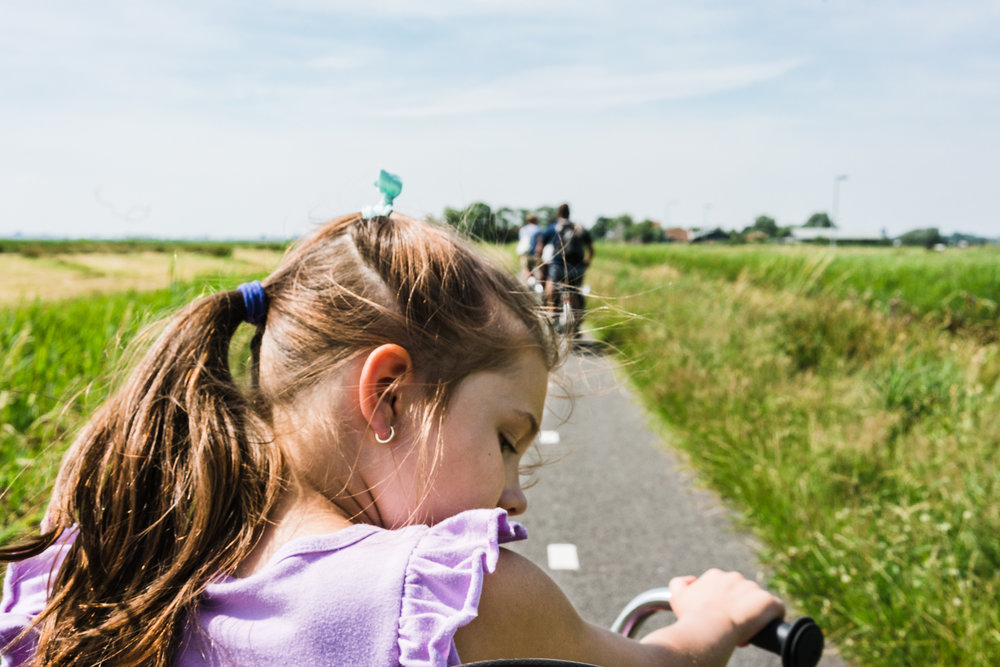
[[480, 221]]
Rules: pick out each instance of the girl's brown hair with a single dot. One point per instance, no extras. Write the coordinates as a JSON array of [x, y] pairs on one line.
[[171, 482]]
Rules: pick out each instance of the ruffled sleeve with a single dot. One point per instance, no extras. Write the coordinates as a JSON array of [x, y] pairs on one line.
[[443, 582], [25, 594]]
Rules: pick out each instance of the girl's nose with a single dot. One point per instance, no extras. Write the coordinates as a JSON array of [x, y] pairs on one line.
[[513, 499]]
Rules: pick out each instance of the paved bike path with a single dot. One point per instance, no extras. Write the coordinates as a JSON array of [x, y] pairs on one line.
[[634, 514]]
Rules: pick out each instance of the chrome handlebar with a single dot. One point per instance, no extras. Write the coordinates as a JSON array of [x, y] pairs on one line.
[[799, 643]]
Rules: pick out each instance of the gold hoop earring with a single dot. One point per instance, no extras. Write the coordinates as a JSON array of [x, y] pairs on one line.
[[388, 438]]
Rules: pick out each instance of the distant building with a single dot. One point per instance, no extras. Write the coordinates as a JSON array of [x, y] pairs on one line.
[[712, 235], [832, 234], [678, 235]]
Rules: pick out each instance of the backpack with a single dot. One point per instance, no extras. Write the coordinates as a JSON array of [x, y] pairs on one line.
[[569, 243]]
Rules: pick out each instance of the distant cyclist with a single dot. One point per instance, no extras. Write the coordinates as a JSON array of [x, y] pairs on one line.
[[527, 239], [572, 252]]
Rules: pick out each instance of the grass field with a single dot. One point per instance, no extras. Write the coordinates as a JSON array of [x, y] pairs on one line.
[[58, 275], [68, 318], [856, 429], [959, 289], [850, 416]]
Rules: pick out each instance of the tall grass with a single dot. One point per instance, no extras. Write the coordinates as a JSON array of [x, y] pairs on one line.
[[860, 440], [956, 289], [862, 446], [56, 369]]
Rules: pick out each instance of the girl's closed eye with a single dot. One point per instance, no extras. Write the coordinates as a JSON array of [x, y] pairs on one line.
[[506, 445]]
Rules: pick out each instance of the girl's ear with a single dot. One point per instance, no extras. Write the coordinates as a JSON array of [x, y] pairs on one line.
[[385, 370]]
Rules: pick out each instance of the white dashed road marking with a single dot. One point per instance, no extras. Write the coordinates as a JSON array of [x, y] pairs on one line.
[[548, 438], [563, 557]]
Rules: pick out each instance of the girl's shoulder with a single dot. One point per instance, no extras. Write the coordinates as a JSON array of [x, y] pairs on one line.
[[444, 582], [479, 531], [372, 595]]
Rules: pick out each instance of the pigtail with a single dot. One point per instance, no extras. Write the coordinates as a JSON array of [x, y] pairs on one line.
[[169, 485]]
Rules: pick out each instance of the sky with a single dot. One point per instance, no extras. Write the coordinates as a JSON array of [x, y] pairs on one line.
[[260, 118]]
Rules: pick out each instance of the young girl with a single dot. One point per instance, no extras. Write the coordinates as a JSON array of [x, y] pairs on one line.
[[347, 507]]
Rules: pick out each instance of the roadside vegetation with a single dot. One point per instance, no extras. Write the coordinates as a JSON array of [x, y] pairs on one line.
[[48, 247], [60, 351], [958, 289], [845, 401], [54, 372], [49, 270]]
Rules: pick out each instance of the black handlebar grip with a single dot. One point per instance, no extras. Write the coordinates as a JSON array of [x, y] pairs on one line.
[[800, 643]]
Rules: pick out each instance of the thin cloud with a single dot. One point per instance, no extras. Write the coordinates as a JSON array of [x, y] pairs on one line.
[[186, 107], [591, 89], [340, 62], [433, 9]]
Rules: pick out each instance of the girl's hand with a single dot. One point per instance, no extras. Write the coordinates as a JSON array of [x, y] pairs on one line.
[[726, 602]]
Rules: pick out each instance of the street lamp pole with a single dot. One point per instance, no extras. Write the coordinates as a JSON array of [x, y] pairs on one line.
[[666, 219], [836, 200], [704, 220]]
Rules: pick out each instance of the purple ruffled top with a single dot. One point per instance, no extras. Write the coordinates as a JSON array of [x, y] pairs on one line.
[[360, 596]]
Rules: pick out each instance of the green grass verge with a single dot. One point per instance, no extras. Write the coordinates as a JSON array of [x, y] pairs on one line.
[[860, 445], [859, 440], [56, 369], [957, 289]]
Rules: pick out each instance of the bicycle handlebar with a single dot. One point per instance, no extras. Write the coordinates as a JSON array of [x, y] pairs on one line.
[[799, 643]]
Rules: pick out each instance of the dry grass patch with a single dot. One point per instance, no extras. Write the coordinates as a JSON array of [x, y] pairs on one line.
[[64, 276]]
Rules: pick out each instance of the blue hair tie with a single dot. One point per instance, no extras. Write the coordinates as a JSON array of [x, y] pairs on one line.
[[390, 186], [255, 302]]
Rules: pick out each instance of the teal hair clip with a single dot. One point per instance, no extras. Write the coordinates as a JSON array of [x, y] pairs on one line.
[[390, 186]]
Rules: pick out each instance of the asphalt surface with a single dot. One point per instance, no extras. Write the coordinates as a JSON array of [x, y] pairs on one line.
[[633, 511]]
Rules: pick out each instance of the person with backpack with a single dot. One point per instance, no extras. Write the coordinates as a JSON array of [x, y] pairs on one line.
[[572, 252], [527, 239]]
